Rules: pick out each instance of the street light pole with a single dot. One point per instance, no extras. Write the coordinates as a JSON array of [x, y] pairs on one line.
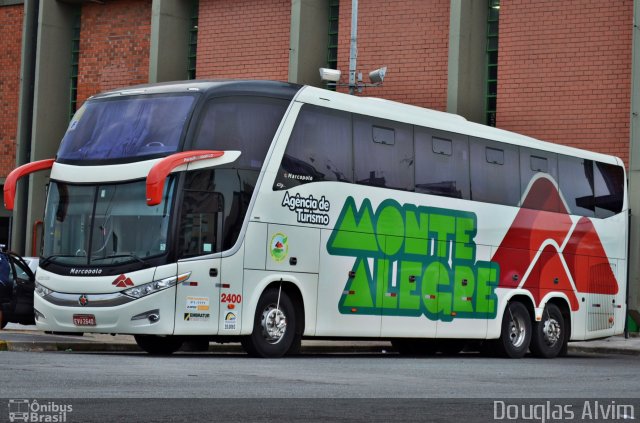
[[353, 51]]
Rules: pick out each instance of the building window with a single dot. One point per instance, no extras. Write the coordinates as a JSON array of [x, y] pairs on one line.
[[332, 54], [75, 58], [193, 40], [492, 62]]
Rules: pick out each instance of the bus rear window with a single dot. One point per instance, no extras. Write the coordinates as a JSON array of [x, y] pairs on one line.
[[126, 127]]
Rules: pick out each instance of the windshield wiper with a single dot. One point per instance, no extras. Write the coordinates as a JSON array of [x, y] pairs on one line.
[[55, 256], [133, 256]]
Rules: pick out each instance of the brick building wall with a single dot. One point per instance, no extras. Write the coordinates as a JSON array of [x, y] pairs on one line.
[[114, 46], [564, 72], [247, 39], [11, 35], [411, 38]]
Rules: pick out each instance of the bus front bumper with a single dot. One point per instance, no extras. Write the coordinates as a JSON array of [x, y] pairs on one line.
[[150, 315]]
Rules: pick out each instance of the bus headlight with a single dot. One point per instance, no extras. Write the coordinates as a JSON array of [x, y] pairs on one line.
[[42, 290], [155, 286]]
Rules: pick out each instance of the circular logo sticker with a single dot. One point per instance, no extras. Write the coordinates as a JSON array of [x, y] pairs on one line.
[[279, 247]]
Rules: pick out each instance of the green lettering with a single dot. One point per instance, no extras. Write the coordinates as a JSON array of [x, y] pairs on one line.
[[430, 282], [443, 226], [409, 295], [389, 221], [382, 274], [487, 281], [445, 295], [416, 232], [412, 261], [465, 249], [354, 233], [464, 286], [359, 290]]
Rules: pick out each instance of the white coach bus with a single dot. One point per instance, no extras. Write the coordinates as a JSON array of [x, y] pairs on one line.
[[265, 212]]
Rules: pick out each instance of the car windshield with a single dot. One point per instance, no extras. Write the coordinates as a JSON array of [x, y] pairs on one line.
[[99, 225], [126, 127]]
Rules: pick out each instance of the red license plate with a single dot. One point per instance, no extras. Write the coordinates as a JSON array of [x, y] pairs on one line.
[[84, 320]]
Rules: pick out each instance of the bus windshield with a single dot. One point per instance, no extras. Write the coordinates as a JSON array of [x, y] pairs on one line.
[[106, 224], [126, 127]]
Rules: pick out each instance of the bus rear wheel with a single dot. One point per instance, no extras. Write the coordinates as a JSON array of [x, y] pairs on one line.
[[159, 345], [515, 335], [549, 334], [274, 327]]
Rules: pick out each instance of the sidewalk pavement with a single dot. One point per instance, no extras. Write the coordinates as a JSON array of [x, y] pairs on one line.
[[27, 338]]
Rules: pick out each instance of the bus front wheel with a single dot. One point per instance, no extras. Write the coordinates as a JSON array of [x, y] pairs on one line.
[[549, 334], [159, 345], [274, 326], [516, 331]]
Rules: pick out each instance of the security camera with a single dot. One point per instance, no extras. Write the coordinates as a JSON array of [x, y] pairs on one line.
[[330, 75], [377, 76]]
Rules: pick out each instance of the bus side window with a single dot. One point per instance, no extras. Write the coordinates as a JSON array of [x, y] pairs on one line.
[[538, 180], [495, 172], [576, 184], [609, 189], [320, 149], [383, 152], [201, 215], [442, 163]]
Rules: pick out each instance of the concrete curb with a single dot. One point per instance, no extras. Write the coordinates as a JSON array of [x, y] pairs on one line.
[[603, 350]]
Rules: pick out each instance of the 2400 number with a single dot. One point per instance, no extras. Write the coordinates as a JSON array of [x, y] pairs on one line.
[[231, 298]]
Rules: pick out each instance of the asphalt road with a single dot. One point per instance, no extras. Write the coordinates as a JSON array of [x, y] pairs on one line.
[[337, 387]]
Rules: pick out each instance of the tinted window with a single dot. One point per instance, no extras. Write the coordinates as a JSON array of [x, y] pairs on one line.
[[243, 123], [494, 155], [538, 179], [539, 164], [609, 189], [441, 146], [442, 163], [319, 149], [214, 204], [126, 127], [383, 153], [576, 184], [495, 172]]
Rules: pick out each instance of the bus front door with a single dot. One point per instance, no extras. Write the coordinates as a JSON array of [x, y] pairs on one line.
[[197, 306]]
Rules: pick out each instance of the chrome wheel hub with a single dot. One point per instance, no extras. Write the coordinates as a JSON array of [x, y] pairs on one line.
[[517, 331], [274, 324], [551, 331]]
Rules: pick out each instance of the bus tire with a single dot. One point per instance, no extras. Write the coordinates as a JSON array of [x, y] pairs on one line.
[[3, 322], [548, 337], [159, 345], [515, 335], [274, 327]]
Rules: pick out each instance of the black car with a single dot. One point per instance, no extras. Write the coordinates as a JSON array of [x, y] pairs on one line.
[[17, 284]]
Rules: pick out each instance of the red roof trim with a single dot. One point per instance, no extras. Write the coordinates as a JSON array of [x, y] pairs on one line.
[[159, 172], [19, 172]]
